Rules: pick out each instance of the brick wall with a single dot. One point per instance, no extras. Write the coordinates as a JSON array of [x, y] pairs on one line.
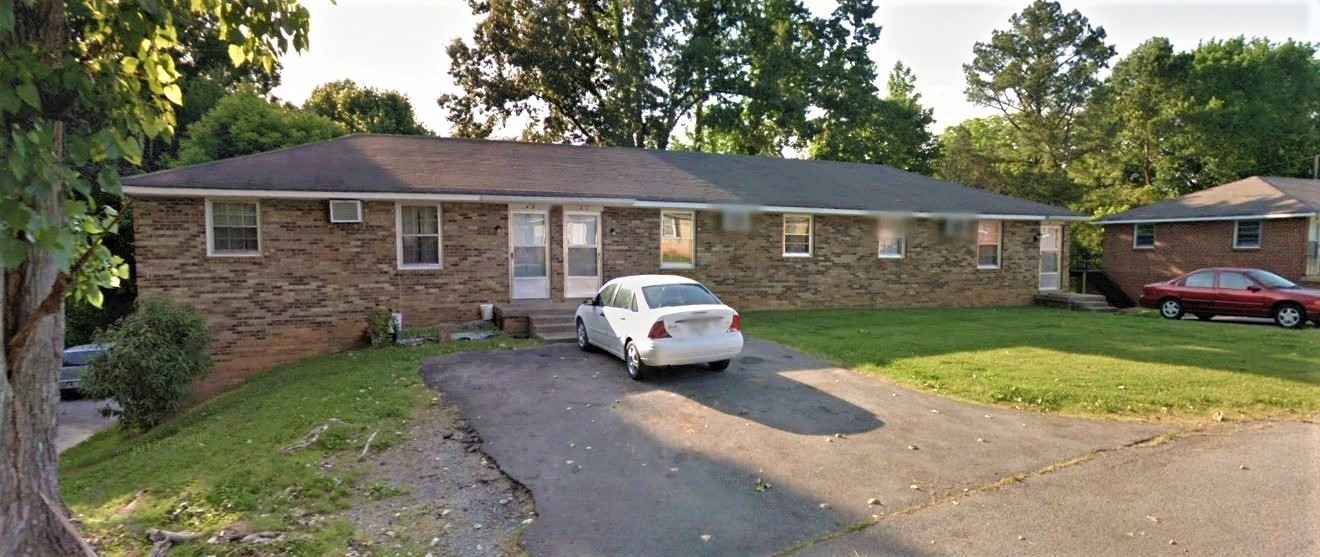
[[748, 271], [1181, 247], [308, 292], [310, 289]]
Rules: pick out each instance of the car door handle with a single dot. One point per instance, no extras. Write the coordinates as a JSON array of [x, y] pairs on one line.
[[602, 314]]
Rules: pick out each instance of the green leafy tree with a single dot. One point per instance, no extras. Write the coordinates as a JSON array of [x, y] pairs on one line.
[[245, 122], [1040, 74], [86, 83], [365, 109], [607, 72], [761, 104], [1249, 107], [206, 75], [1169, 123], [894, 130], [982, 152]]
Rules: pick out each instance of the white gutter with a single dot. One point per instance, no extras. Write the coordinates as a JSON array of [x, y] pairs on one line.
[[1207, 219], [156, 191], [151, 191], [849, 212]]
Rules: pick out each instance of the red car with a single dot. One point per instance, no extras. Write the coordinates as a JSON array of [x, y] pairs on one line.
[[1206, 293]]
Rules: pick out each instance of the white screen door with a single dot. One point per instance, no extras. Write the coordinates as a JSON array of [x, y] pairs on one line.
[[581, 254], [528, 252], [1050, 244], [1313, 248]]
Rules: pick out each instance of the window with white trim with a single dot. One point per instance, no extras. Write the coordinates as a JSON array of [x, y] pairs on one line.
[[893, 238], [233, 228], [989, 237], [418, 236], [1246, 234], [678, 247], [1143, 235], [797, 236]]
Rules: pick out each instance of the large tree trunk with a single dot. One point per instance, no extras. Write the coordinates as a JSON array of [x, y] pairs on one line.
[[33, 519]]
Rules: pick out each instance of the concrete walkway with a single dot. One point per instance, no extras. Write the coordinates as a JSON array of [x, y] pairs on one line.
[[79, 419]]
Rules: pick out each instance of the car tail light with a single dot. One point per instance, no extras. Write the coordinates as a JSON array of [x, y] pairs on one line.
[[658, 330], [735, 325]]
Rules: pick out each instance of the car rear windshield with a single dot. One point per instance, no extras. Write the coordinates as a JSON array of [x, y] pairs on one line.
[[1272, 281], [673, 295]]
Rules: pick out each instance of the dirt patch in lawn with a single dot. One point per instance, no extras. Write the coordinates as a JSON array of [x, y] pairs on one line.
[[436, 493]]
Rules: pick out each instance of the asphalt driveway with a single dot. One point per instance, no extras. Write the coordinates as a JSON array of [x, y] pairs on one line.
[[780, 449]]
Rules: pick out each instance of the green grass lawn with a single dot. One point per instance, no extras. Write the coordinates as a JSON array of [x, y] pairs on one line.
[[1068, 362], [222, 463]]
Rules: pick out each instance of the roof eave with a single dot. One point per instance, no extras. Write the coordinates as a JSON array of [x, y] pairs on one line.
[[1270, 216], [166, 191]]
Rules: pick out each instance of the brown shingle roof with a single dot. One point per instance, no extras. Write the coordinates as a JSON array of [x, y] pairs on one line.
[[1250, 197], [367, 163]]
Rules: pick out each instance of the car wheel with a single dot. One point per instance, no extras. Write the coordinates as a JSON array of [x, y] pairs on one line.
[[637, 369], [584, 343], [1171, 308], [718, 366], [1290, 316], [1205, 316]]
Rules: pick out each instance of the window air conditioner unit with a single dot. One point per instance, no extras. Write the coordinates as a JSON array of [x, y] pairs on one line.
[[345, 210], [954, 228], [736, 220]]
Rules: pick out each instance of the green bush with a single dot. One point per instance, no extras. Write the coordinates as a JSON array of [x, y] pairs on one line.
[[378, 326], [155, 354]]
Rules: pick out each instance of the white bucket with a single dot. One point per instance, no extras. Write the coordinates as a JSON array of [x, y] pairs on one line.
[[487, 312]]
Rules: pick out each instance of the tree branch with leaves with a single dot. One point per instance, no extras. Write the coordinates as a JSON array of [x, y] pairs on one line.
[[87, 83]]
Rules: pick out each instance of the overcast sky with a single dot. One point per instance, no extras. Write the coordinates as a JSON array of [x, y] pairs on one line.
[[400, 44]]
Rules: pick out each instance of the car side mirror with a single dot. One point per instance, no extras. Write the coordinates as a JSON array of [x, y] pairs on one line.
[[589, 302], [1253, 288]]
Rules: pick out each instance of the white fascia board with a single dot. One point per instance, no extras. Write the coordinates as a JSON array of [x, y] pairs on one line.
[[152, 191], [1208, 219], [156, 191], [849, 212]]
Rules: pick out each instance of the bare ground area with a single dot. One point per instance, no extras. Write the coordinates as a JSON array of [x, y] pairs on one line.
[[436, 493]]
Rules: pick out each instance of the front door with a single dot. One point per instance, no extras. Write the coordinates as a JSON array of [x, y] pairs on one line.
[[1051, 242], [581, 254], [529, 254]]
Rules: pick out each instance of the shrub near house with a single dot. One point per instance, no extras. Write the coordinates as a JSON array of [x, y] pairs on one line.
[[154, 354]]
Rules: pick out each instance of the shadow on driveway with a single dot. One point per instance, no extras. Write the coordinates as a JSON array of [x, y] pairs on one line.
[[746, 461]]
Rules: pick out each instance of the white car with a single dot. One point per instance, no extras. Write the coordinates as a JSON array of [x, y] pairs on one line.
[[659, 320]]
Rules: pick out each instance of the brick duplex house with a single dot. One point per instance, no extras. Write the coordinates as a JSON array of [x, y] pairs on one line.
[[1266, 222], [285, 251]]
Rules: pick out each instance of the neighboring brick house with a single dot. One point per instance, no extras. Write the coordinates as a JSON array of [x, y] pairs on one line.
[[1263, 221], [434, 227]]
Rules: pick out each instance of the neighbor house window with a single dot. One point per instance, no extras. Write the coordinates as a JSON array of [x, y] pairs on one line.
[[233, 228], [797, 236], [1246, 235], [678, 246], [989, 236], [893, 239], [1143, 235], [419, 236]]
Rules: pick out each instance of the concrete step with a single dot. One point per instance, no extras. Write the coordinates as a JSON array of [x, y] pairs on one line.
[[554, 328], [1094, 303], [569, 336], [1091, 305]]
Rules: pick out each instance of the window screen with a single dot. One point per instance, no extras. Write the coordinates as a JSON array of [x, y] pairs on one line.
[[234, 227]]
